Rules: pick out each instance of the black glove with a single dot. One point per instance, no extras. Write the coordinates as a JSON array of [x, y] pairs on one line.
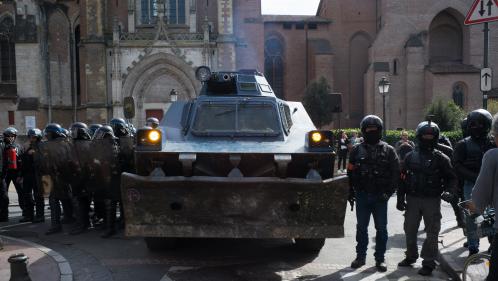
[[401, 204], [448, 197], [352, 198]]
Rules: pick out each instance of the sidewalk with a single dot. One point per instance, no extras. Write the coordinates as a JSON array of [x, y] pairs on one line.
[[43, 263], [452, 253]]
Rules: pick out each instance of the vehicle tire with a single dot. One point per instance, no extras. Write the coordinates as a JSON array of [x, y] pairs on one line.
[[309, 245], [476, 267], [160, 243]]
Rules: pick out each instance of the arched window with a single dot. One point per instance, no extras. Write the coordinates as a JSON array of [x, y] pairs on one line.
[[175, 11], [7, 50], [274, 64], [458, 95], [446, 39]]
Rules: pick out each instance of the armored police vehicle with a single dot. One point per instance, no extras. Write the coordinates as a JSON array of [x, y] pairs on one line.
[[235, 162]]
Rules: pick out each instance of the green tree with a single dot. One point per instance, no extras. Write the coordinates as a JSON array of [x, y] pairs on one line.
[[317, 103], [447, 115]]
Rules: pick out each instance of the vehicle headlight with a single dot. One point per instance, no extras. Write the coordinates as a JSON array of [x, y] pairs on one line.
[[316, 137], [320, 141], [154, 136], [149, 140]]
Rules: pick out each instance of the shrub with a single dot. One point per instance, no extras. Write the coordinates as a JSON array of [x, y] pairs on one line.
[[316, 102], [392, 136], [446, 114]]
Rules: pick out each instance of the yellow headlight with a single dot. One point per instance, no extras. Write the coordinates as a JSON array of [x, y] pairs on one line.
[[154, 136], [316, 137]]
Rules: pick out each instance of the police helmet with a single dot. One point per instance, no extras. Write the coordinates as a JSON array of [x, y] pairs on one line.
[[119, 127], [104, 132], [152, 122], [53, 131], [93, 128], [35, 133], [371, 121], [10, 132], [479, 122], [79, 131], [427, 134]]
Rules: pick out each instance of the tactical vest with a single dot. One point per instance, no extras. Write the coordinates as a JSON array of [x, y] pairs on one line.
[[424, 175], [371, 172], [474, 152]]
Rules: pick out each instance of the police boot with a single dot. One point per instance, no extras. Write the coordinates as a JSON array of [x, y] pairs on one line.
[[67, 206], [4, 215], [55, 217], [81, 218], [40, 212], [28, 216], [110, 216]]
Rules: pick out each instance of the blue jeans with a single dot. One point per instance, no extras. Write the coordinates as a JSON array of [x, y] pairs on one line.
[[472, 238], [368, 204]]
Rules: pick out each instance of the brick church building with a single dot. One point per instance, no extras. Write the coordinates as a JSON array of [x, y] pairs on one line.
[[67, 60]]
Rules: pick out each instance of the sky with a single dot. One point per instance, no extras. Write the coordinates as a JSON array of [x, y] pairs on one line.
[[289, 7]]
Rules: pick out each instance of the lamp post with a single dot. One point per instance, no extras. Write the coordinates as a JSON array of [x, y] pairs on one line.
[[173, 96], [384, 85]]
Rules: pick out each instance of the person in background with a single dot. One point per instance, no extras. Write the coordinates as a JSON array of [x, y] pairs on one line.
[[354, 140], [403, 141], [485, 193], [342, 151]]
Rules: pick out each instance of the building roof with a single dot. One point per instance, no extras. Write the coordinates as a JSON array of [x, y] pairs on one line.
[[448, 68], [294, 18], [321, 46]]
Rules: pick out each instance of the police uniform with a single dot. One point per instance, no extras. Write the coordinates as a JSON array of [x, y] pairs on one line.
[[467, 160], [11, 173], [81, 145], [56, 153], [32, 187], [373, 171], [426, 174]]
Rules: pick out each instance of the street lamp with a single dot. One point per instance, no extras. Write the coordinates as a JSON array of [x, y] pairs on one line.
[[173, 96], [384, 85]]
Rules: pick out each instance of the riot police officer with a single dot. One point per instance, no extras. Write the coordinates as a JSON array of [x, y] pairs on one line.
[[152, 122], [373, 171], [427, 176], [11, 172], [109, 174], [56, 153], [32, 180], [467, 160], [81, 141]]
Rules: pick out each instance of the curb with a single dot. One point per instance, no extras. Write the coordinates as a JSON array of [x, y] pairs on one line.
[[66, 273], [445, 265]]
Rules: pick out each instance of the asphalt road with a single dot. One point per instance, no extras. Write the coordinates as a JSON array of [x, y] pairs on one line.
[[93, 258]]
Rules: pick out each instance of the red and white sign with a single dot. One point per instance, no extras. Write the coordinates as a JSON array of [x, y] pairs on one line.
[[482, 11]]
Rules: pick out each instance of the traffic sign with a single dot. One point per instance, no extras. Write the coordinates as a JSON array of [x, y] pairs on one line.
[[482, 11], [486, 79]]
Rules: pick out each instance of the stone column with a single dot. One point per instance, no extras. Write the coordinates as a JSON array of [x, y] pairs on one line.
[[226, 38], [117, 85], [94, 61], [131, 16]]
